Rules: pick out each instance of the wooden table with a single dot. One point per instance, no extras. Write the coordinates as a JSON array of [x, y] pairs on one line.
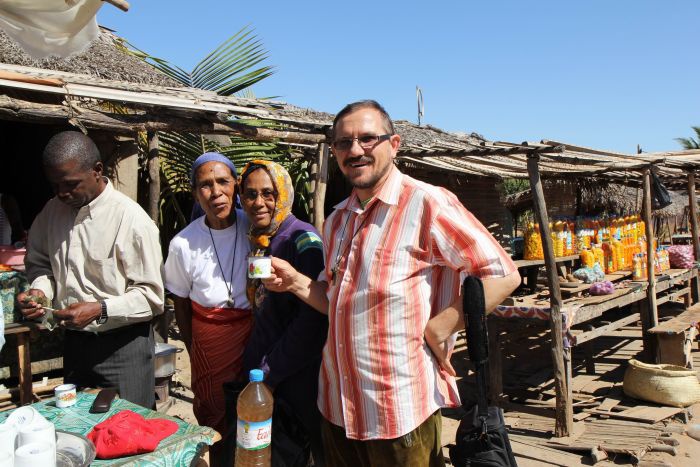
[[531, 267], [587, 309], [178, 449]]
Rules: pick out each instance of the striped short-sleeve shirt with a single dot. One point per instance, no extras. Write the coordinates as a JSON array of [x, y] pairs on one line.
[[397, 263]]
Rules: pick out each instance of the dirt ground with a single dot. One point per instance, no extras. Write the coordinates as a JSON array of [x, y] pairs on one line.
[[688, 449]]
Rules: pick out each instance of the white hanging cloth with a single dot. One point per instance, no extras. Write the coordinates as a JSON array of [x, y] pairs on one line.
[[46, 28]]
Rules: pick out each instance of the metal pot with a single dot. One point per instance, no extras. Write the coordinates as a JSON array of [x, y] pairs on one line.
[[165, 359]]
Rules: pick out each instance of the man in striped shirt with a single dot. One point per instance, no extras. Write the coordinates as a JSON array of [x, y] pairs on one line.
[[395, 252]]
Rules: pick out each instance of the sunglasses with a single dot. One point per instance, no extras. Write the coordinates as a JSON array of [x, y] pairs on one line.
[[365, 142], [252, 195]]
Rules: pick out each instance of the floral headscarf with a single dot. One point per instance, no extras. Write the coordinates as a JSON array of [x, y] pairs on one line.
[[260, 238]]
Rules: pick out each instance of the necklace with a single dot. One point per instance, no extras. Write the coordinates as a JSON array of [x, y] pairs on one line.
[[341, 252], [229, 286]]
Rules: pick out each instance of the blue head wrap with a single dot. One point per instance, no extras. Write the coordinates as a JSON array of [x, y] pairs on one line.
[[211, 157]]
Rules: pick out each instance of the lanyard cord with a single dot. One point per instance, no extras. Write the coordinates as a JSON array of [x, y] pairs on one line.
[[341, 253], [229, 286]]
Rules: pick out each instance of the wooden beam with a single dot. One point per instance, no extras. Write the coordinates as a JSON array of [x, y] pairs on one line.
[[153, 176], [319, 198], [694, 230], [649, 313], [564, 419], [193, 122]]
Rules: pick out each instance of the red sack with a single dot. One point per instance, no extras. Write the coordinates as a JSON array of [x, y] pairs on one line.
[[127, 433]]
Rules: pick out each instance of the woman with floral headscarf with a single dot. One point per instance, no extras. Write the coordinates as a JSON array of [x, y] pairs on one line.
[[288, 335]]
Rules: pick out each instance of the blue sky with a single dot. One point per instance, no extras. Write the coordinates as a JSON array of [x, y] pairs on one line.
[[609, 74]]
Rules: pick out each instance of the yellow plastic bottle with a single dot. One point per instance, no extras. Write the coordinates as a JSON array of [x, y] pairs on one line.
[[587, 258]]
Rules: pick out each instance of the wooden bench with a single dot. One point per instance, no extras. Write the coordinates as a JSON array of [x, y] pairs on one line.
[[675, 337]]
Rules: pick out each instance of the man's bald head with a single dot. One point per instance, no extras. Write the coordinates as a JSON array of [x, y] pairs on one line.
[[71, 146]]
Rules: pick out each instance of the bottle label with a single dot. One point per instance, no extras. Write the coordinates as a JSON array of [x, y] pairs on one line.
[[254, 435]]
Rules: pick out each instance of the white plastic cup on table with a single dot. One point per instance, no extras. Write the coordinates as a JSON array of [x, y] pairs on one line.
[[36, 454], [8, 436], [43, 432], [7, 459], [65, 395], [24, 416], [259, 267]]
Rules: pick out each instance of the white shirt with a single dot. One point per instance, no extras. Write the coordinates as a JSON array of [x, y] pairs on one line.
[[107, 250], [193, 271]]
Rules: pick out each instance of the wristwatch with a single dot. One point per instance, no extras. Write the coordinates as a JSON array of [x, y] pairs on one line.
[[102, 319]]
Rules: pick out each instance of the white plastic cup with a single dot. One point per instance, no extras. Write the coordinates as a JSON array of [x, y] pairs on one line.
[[7, 458], [44, 432], [8, 435], [259, 267], [65, 395], [24, 416], [36, 454]]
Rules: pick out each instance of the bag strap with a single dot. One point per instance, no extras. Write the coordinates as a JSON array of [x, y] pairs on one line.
[[474, 308]]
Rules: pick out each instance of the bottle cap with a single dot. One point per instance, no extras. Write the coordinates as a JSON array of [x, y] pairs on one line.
[[256, 376]]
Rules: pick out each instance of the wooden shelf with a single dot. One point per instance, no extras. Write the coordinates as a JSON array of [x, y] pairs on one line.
[[527, 263]]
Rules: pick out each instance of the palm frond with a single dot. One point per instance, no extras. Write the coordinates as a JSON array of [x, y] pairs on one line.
[[691, 143]]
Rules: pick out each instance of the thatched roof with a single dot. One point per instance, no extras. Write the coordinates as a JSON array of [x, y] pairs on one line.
[[86, 101], [599, 196], [105, 58]]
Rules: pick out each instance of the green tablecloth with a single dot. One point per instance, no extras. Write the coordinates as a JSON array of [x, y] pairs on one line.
[[177, 450]]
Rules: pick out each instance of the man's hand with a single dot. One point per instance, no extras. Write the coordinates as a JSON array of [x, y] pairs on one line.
[[29, 308], [78, 315], [283, 278], [439, 343]]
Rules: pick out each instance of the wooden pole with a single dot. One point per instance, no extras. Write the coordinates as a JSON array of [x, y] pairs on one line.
[[649, 313], [319, 198], [564, 420], [153, 177], [694, 231], [25, 368]]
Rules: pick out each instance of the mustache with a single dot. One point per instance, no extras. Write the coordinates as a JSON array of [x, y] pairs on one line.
[[355, 160]]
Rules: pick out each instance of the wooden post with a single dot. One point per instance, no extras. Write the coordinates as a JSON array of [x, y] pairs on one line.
[[25, 368], [649, 313], [694, 231], [319, 198], [564, 420], [153, 177]]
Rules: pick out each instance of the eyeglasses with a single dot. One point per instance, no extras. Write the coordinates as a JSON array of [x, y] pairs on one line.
[[365, 142], [252, 195]]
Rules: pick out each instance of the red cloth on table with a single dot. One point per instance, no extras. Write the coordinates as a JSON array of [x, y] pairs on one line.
[[127, 433]]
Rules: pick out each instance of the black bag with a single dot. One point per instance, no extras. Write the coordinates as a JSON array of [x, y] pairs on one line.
[[660, 197], [482, 438]]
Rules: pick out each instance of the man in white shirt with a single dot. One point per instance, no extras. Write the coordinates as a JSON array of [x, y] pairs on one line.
[[95, 254]]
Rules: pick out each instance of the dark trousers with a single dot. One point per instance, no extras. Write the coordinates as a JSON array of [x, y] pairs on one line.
[[418, 448], [122, 358]]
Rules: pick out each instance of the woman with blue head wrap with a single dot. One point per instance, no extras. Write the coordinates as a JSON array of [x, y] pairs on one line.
[[206, 271]]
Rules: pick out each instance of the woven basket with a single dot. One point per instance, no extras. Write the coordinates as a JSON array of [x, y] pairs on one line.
[[670, 385]]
